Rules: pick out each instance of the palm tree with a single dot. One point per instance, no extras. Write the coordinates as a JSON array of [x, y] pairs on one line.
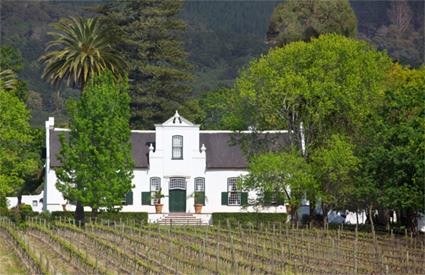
[[8, 80], [81, 48]]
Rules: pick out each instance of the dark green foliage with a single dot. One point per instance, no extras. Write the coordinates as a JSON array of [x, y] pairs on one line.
[[221, 38], [392, 149], [149, 37], [97, 166], [112, 216], [402, 35], [295, 20], [244, 218], [10, 58], [19, 214]]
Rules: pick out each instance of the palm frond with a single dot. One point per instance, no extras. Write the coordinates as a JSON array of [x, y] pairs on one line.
[[8, 80], [80, 49]]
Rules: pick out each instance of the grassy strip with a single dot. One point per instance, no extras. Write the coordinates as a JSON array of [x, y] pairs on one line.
[[110, 246], [69, 248], [19, 242]]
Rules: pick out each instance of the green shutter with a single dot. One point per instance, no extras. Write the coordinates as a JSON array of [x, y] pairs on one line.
[[129, 198], [244, 198], [267, 198], [200, 198], [224, 198], [280, 198], [146, 198]]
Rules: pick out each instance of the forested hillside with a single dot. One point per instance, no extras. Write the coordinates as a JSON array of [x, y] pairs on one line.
[[221, 38]]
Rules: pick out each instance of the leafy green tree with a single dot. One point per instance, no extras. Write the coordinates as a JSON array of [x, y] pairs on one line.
[[97, 165], [295, 20], [274, 174], [81, 49], [17, 159], [334, 167], [215, 104], [393, 156], [329, 85], [159, 73]]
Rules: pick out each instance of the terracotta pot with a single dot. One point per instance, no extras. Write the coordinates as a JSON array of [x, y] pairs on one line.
[[198, 208], [158, 208]]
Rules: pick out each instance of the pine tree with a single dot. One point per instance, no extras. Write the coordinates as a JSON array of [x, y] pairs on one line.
[[149, 32]]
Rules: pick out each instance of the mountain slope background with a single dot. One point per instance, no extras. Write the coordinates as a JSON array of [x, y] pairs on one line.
[[221, 38]]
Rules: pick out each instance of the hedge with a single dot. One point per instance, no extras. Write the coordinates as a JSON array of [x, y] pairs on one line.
[[245, 218], [120, 216]]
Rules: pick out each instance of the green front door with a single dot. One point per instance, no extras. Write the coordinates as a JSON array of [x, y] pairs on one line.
[[177, 200]]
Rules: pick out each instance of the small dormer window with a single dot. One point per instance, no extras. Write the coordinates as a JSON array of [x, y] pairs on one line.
[[177, 151]]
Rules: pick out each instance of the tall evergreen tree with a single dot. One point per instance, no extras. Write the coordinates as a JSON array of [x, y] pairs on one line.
[[150, 39], [97, 165]]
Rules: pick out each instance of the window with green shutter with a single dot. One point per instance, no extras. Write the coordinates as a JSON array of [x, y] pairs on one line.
[[146, 198], [280, 199], [224, 198], [129, 198], [244, 198], [268, 198]]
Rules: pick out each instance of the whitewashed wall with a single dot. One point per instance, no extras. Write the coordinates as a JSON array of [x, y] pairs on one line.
[[163, 166]]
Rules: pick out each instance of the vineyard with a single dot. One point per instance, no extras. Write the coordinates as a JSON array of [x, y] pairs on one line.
[[104, 247]]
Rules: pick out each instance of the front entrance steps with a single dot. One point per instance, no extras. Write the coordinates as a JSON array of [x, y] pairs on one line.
[[180, 219]]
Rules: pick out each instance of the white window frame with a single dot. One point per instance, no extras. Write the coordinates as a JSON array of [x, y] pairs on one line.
[[177, 183], [199, 184], [177, 146], [234, 195], [155, 186]]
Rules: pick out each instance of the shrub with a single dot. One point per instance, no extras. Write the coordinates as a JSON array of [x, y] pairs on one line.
[[19, 214], [248, 218], [112, 216]]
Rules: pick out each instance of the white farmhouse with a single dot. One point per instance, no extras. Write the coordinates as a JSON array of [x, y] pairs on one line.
[[178, 158]]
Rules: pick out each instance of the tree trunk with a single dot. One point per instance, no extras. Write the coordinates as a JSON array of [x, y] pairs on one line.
[[372, 226], [93, 214], [79, 214], [325, 211]]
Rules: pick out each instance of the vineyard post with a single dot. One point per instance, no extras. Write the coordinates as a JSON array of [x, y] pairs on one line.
[[333, 256], [355, 249], [232, 247]]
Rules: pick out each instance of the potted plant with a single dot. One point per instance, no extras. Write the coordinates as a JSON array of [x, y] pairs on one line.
[[158, 205], [198, 206]]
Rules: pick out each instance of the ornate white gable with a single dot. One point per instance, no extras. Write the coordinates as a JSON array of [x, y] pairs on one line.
[[177, 120]]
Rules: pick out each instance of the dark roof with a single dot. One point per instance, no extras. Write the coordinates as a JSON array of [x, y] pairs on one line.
[[225, 152], [139, 144]]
